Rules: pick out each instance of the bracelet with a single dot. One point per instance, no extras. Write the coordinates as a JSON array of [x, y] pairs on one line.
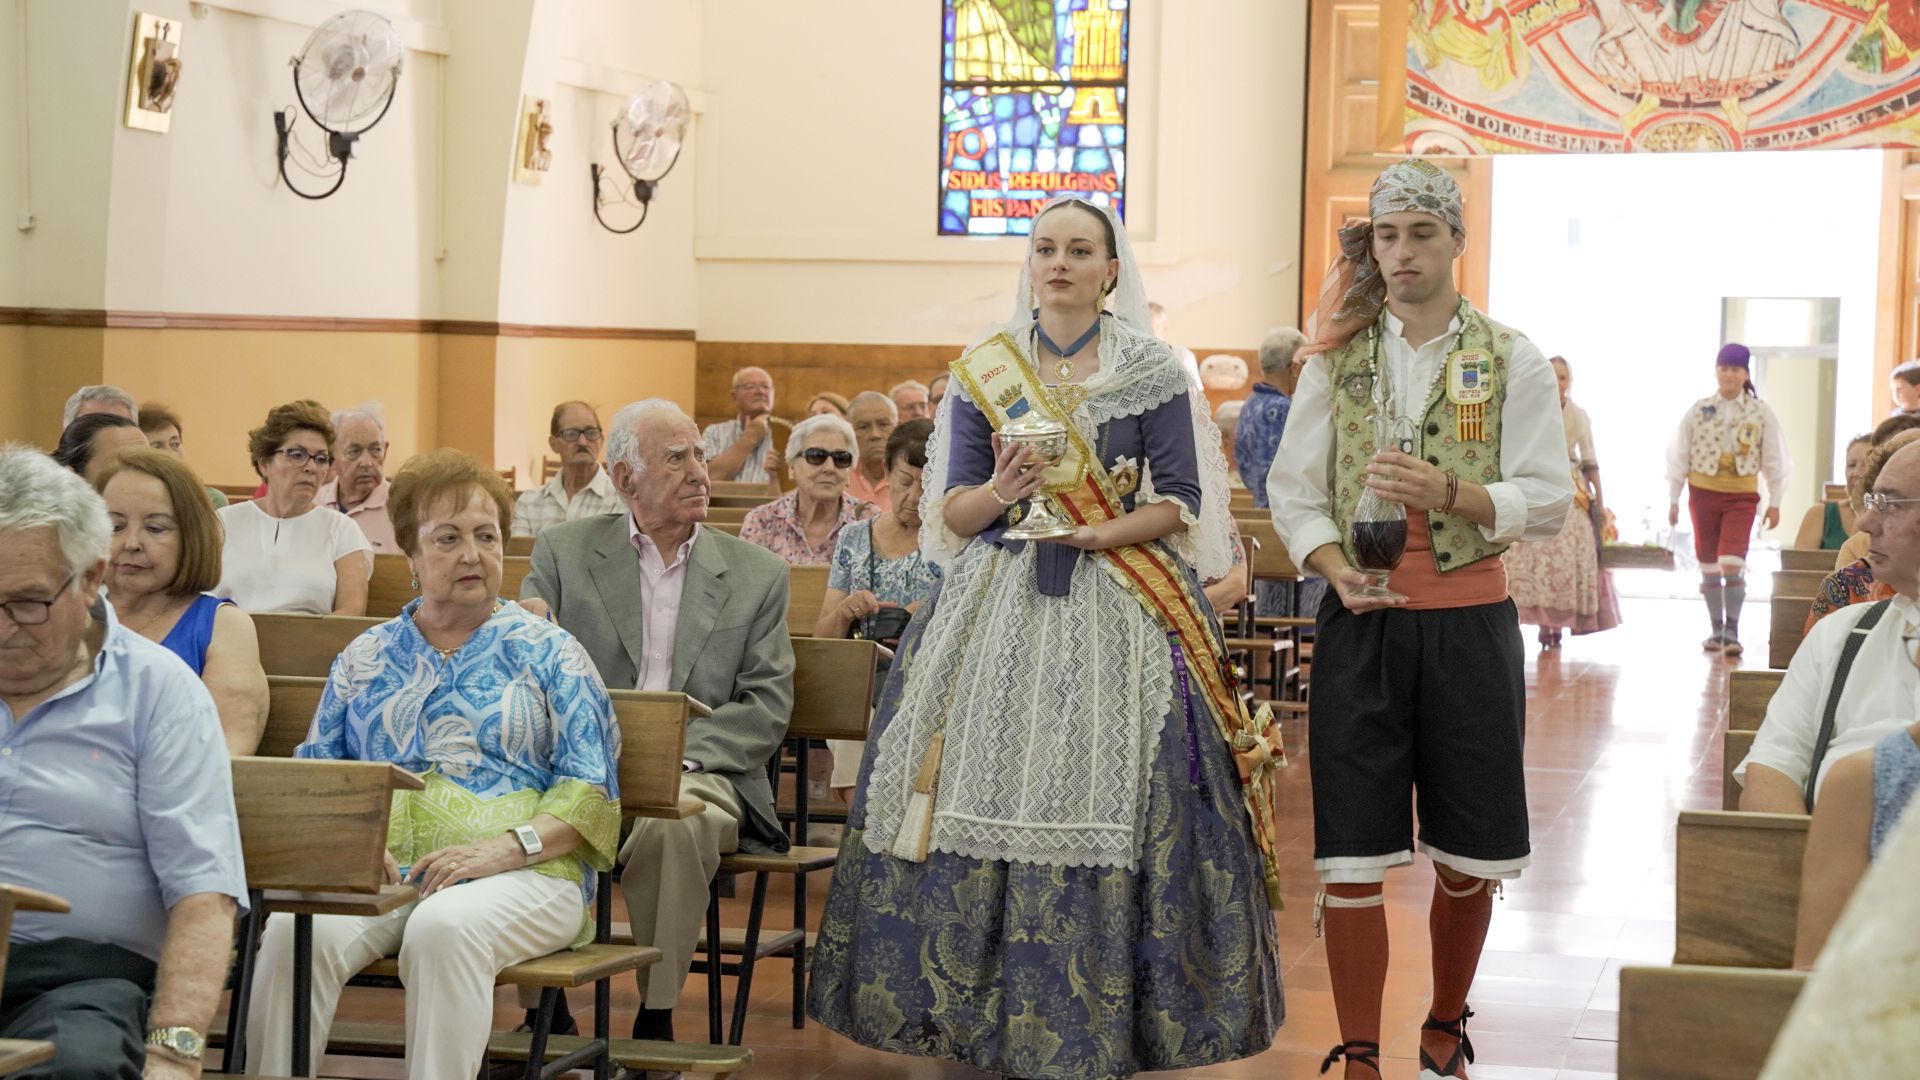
[[1453, 491], [993, 489]]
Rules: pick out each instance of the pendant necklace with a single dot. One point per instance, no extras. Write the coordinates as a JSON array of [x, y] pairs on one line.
[[1065, 368]]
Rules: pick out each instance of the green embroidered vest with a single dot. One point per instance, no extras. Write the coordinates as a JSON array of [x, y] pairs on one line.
[[1457, 542]]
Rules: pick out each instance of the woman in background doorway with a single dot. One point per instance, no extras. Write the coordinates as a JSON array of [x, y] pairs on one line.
[[1558, 584]]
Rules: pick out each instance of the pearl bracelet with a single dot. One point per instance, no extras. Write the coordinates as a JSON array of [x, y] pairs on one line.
[[993, 488]]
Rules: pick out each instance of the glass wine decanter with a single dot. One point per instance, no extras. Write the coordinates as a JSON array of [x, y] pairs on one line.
[[1380, 525]]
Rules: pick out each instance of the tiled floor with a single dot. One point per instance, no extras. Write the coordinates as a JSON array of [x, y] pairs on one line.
[[1623, 731]]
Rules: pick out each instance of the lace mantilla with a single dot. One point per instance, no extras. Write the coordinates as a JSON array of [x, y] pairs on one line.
[[1051, 707]]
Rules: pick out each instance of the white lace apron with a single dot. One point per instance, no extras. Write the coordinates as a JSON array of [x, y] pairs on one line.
[[1052, 705]]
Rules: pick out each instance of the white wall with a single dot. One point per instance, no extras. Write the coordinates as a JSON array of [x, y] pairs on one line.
[[817, 217], [591, 55], [200, 221], [13, 156]]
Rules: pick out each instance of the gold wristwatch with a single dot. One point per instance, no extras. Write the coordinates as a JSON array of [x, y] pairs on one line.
[[182, 1042]]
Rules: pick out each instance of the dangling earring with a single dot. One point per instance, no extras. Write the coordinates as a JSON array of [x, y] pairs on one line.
[[1032, 302], [414, 584]]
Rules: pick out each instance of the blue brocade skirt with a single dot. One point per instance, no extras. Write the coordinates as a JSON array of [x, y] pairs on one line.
[[1061, 971]]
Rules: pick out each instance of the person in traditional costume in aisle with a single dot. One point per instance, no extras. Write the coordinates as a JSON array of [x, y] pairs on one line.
[[1559, 584], [1727, 443], [1415, 410], [1054, 864]]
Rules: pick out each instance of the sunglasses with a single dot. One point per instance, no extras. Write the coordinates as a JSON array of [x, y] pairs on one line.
[[813, 455]]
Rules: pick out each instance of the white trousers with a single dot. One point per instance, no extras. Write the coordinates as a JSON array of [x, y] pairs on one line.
[[451, 945], [668, 865]]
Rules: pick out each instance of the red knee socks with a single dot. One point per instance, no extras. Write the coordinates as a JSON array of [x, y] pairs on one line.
[[1356, 939], [1458, 925]]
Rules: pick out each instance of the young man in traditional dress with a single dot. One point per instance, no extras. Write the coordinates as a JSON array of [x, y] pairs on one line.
[[1727, 443], [1418, 695]]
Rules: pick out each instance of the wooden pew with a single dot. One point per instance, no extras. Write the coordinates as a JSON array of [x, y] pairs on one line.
[[1732, 753], [520, 545], [19, 1054], [1818, 559], [725, 515], [737, 489], [390, 588], [1737, 888], [832, 688], [737, 502], [305, 644], [1692, 1022], [284, 807], [806, 592], [1793, 592], [1748, 693], [653, 737]]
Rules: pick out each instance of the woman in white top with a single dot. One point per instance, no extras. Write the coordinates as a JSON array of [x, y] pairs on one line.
[[282, 552]]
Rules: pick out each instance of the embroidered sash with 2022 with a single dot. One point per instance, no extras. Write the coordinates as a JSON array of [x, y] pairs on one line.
[[1004, 385]]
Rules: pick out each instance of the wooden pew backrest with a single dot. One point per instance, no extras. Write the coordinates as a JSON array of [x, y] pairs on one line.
[[1701, 1023], [291, 703], [390, 588], [1793, 593], [806, 591], [305, 644], [1732, 754], [1271, 560], [832, 688], [653, 741], [315, 825], [1737, 888], [520, 545], [1748, 693], [1808, 559]]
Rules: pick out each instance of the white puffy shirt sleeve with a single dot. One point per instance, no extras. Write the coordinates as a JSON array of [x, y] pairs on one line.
[[1302, 472], [1775, 465], [1679, 454]]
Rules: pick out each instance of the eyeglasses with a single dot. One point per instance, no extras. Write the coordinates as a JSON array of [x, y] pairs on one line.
[[575, 434], [1880, 502], [34, 612], [298, 458], [376, 451], [813, 455]]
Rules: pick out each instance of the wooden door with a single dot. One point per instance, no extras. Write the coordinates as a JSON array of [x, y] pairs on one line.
[[1356, 74]]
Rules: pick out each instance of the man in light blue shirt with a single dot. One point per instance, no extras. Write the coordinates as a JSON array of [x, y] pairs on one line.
[[115, 794]]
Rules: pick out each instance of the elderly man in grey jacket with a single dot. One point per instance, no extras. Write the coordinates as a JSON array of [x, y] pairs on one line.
[[663, 604]]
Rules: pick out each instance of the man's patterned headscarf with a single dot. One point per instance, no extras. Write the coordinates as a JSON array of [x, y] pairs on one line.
[[1354, 289]]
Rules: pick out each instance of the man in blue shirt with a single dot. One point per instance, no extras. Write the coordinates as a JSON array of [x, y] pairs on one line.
[[115, 794], [1264, 416]]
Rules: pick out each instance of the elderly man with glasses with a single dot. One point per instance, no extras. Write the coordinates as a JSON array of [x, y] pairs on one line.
[[738, 449], [1851, 682], [118, 798], [581, 488], [359, 485]]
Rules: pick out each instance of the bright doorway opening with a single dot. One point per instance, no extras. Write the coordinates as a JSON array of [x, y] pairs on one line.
[[1637, 267]]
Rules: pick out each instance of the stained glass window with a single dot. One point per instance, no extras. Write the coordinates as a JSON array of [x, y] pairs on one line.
[[1033, 104]]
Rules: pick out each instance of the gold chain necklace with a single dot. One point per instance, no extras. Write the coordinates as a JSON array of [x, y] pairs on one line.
[[447, 654], [164, 610]]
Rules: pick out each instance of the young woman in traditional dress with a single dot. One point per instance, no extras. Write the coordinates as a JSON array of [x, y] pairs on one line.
[[1050, 868]]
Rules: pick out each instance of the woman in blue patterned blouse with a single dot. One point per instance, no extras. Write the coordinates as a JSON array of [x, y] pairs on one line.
[[506, 719]]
